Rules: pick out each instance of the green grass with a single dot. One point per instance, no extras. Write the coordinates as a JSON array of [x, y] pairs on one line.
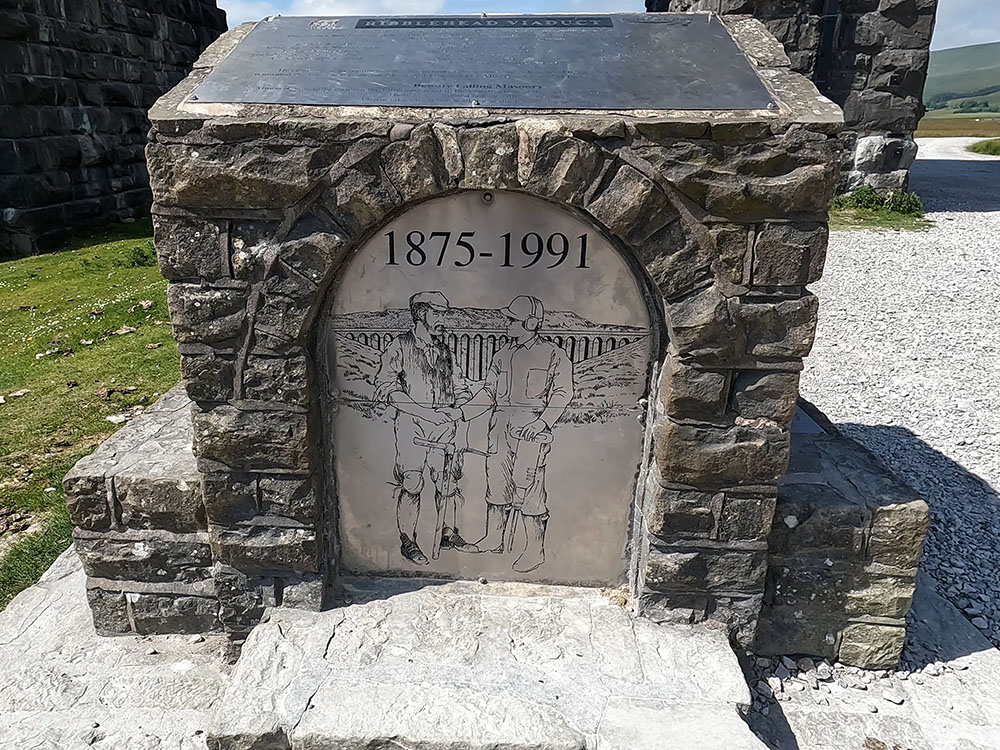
[[49, 306], [990, 148], [866, 208]]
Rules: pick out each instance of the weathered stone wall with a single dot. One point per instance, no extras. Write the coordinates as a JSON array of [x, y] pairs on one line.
[[869, 56], [76, 80], [256, 208], [845, 546]]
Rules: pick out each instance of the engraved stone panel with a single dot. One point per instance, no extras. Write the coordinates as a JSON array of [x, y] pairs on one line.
[[485, 354], [563, 61]]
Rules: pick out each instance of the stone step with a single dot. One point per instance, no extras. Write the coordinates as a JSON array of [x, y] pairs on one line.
[[426, 665], [141, 530]]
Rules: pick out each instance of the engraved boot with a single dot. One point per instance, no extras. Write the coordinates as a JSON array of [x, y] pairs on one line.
[[452, 539], [496, 525], [534, 551], [408, 548]]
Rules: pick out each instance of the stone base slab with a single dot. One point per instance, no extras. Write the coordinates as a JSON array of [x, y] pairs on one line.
[[481, 666], [63, 687]]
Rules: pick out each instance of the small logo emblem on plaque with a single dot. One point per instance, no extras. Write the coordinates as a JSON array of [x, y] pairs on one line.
[[325, 23]]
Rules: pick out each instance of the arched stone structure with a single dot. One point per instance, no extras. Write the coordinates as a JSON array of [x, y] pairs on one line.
[[257, 208]]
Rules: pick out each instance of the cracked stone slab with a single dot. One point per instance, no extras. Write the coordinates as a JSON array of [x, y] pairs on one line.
[[63, 687], [481, 666]]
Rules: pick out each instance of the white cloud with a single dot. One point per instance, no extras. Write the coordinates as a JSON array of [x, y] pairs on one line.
[[238, 11], [963, 22], [364, 7]]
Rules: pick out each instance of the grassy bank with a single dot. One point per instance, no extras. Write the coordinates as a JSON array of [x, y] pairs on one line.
[[866, 208], [989, 148], [84, 336]]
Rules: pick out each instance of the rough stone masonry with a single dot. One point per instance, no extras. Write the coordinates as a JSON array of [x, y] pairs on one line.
[[868, 56], [258, 206], [76, 80]]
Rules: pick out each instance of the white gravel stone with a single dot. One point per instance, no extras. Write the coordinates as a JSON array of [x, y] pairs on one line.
[[907, 362]]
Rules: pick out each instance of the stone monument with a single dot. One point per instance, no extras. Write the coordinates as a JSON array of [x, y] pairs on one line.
[[493, 368], [515, 323], [518, 323]]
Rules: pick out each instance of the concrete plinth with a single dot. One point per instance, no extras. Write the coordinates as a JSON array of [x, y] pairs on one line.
[[473, 666]]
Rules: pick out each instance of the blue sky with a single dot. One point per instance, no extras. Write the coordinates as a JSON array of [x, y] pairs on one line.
[[959, 22]]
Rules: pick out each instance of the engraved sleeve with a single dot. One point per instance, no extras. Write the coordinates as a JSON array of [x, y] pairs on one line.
[[388, 380], [493, 375], [561, 390]]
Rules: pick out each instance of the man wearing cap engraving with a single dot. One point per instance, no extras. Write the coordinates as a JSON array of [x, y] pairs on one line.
[[530, 381], [417, 377]]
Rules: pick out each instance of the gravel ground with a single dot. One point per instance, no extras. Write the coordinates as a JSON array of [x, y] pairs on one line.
[[907, 362]]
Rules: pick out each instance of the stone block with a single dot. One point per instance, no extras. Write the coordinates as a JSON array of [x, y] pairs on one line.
[[266, 547], [240, 599], [733, 252], [87, 499], [230, 497], [703, 569], [676, 261], [781, 330], [765, 394], [287, 307], [208, 373], [690, 393], [789, 254], [784, 630], [872, 646], [161, 490], [314, 255], [256, 175], [897, 536], [110, 611], [364, 195], [203, 315], [714, 457], [489, 155], [191, 249], [150, 556], [282, 379], [555, 165], [166, 613], [415, 167], [253, 440], [631, 206], [672, 514], [880, 596], [289, 497], [881, 110], [814, 518], [804, 190], [303, 591], [882, 153], [702, 329], [745, 517]]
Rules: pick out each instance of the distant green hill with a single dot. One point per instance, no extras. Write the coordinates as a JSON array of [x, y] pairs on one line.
[[963, 73]]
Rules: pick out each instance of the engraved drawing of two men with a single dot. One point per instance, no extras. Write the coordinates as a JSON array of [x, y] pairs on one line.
[[527, 387]]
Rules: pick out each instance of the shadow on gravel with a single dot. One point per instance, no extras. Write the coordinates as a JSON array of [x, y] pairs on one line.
[[971, 185]]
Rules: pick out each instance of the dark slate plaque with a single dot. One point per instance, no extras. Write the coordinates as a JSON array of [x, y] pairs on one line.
[[589, 61]]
